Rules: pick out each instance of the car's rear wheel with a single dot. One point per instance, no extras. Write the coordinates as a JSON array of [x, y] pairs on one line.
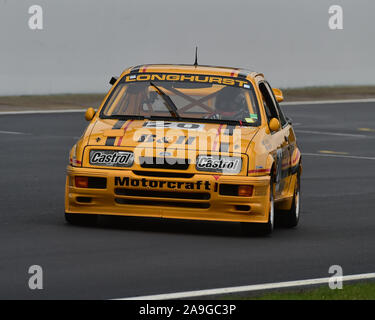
[[81, 219], [290, 218], [262, 229]]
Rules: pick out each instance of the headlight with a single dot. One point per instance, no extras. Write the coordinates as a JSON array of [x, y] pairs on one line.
[[111, 158], [222, 164], [73, 157]]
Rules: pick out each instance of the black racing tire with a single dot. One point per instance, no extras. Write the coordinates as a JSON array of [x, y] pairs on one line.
[[261, 229], [290, 218], [81, 219]]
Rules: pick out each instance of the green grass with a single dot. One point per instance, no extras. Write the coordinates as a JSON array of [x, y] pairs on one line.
[[357, 291], [327, 93], [53, 101], [73, 101]]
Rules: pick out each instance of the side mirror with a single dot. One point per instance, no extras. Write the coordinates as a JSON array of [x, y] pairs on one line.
[[274, 125], [113, 80], [289, 120], [90, 113], [278, 94]]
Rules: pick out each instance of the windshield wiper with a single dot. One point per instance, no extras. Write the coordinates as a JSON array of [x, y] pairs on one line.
[[123, 117], [168, 101]]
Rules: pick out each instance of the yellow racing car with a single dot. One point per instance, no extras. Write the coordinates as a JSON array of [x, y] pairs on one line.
[[187, 142]]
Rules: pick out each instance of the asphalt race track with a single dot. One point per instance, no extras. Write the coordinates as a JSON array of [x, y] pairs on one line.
[[126, 257]]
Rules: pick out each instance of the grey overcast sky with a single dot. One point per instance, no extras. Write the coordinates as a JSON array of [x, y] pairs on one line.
[[85, 42]]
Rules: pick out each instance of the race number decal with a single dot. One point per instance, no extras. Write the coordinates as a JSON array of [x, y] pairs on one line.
[[174, 125], [166, 140]]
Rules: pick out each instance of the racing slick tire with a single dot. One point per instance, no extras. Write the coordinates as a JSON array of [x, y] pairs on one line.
[[290, 218], [81, 219], [262, 229]]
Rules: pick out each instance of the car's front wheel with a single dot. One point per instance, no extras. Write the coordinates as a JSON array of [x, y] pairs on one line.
[[290, 218], [262, 229], [81, 219]]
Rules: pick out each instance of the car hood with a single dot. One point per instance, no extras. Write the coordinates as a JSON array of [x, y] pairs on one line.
[[164, 134]]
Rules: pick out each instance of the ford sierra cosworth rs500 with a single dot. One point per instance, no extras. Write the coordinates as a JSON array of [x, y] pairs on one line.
[[187, 142]]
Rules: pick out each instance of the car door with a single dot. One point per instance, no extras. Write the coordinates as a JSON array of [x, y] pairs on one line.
[[280, 140], [290, 140]]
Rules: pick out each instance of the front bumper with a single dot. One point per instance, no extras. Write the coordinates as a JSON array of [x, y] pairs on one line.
[[158, 198]]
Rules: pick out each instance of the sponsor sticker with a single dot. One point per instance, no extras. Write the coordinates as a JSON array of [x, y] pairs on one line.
[[111, 158], [161, 184], [249, 120], [219, 164], [253, 118], [197, 78]]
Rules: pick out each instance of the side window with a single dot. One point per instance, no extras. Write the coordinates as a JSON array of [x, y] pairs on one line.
[[282, 116], [283, 121], [268, 101]]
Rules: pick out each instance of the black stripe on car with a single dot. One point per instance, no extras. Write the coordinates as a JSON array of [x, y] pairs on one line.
[[135, 69], [242, 75], [119, 124], [110, 141], [224, 147], [229, 130]]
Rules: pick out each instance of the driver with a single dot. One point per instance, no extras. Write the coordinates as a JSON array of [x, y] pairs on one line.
[[230, 104]]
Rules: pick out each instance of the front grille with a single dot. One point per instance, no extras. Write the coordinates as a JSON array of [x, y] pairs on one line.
[[163, 174], [197, 205], [162, 194], [162, 163]]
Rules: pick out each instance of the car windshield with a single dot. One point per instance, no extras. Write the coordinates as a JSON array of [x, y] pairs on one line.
[[181, 96]]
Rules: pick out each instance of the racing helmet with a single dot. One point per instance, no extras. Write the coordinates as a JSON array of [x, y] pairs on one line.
[[230, 99]]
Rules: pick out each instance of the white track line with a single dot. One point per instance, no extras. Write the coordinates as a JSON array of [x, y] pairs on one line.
[[333, 133], [296, 103], [13, 132], [256, 287], [337, 156]]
